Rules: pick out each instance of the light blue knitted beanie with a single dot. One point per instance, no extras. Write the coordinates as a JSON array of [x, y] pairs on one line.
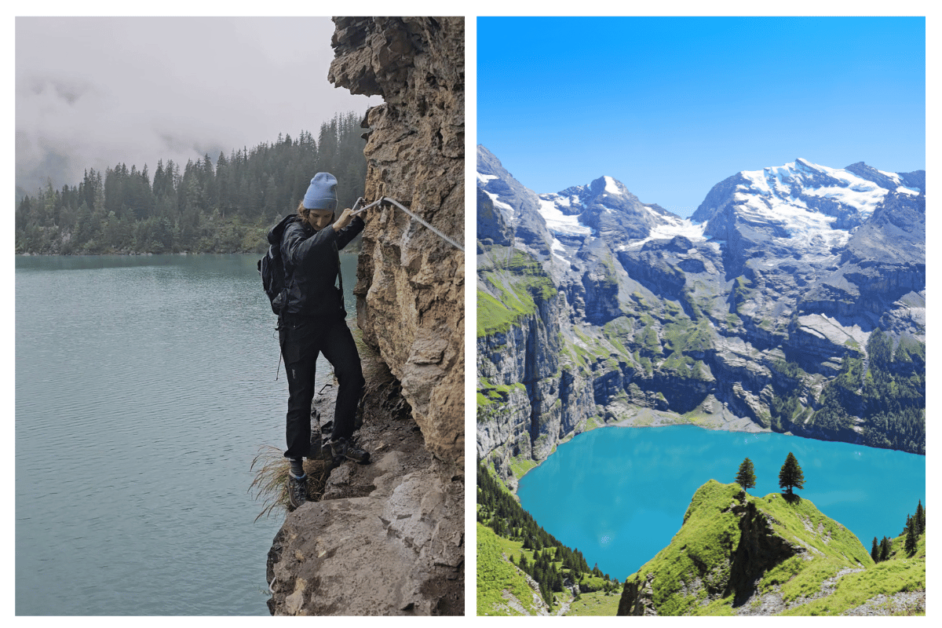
[[322, 193]]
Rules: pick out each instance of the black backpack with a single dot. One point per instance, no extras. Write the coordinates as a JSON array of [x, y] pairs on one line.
[[272, 268]]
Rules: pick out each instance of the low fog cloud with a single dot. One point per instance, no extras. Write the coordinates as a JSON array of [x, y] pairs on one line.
[[93, 92]]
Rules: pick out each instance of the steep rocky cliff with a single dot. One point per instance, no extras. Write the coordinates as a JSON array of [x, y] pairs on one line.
[[528, 399], [410, 281], [388, 538], [744, 555]]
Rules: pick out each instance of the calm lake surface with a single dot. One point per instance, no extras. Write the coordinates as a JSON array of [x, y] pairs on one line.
[[144, 388], [620, 494]]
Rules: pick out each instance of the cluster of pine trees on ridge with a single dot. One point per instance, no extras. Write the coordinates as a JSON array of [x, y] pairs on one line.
[[915, 527], [790, 477], [222, 207], [553, 564]]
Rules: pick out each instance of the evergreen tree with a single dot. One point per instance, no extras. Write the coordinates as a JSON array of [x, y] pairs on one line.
[[920, 518], [746, 478], [884, 549], [552, 562], [223, 207], [911, 540], [547, 593], [791, 476], [875, 551]]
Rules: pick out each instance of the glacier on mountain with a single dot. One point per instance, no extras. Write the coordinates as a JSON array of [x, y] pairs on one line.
[[754, 303]]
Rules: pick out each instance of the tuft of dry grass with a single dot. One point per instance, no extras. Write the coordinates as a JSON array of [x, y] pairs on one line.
[[271, 479]]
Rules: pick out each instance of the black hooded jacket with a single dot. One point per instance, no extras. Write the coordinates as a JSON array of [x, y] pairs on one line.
[[311, 266]]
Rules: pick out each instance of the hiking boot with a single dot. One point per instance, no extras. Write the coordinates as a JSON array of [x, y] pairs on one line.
[[319, 449], [344, 449], [297, 490]]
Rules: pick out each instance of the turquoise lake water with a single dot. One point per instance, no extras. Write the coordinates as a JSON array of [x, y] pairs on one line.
[[619, 494], [144, 388]]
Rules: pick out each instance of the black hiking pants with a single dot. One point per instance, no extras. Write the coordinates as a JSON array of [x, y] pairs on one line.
[[302, 340]]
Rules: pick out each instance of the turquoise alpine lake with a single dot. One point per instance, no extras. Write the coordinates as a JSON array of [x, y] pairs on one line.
[[619, 494], [144, 388]]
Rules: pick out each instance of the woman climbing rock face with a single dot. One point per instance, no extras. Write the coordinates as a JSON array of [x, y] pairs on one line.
[[313, 321]]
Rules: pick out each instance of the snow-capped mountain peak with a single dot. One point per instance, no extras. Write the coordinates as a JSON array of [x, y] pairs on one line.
[[612, 186], [802, 183], [802, 205]]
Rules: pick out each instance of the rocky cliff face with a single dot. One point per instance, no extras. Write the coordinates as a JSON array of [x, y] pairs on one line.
[[388, 538], [528, 401], [757, 314], [410, 281]]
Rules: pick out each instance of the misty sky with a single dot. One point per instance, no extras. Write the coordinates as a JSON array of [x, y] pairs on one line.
[[93, 92]]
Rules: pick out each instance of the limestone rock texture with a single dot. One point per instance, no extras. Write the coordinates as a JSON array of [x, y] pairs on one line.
[[410, 282], [387, 538]]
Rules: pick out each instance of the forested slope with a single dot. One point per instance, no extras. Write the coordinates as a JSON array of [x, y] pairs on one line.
[[203, 207]]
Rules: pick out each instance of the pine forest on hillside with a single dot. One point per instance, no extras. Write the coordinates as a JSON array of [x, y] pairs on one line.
[[226, 207], [551, 564]]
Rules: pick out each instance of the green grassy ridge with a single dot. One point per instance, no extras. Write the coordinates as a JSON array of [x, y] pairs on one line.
[[684, 336], [898, 551], [493, 316], [703, 547], [856, 589], [495, 575], [595, 604], [898, 545], [899, 573], [499, 511]]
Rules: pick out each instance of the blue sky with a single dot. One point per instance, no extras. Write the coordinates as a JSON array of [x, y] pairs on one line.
[[672, 106]]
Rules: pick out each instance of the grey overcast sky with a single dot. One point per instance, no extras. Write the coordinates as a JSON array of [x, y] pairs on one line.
[[93, 92]]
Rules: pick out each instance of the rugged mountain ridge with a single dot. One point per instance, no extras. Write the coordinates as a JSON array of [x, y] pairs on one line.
[[761, 312], [388, 538], [745, 555]]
